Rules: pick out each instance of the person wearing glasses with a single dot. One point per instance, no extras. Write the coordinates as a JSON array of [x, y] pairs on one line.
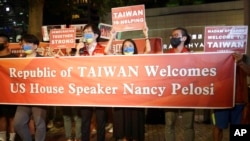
[[179, 41]]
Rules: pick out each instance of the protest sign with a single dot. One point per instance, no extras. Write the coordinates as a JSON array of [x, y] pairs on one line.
[[62, 38], [79, 30], [46, 30], [225, 38], [128, 18]]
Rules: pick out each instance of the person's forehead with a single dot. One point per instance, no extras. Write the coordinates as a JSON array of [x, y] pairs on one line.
[[176, 32], [89, 29], [24, 42], [127, 43]]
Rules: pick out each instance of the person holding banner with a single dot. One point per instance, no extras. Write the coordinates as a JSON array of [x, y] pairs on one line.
[[91, 47], [109, 51], [24, 113], [179, 40], [128, 122], [7, 112], [237, 114], [243, 63], [70, 113]]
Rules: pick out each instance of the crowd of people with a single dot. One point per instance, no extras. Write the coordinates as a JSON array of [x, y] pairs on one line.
[[128, 123]]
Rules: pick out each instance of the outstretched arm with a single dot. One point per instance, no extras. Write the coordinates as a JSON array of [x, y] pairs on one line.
[[148, 46], [107, 50]]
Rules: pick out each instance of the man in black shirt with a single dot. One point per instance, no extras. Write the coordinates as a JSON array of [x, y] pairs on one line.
[[7, 112]]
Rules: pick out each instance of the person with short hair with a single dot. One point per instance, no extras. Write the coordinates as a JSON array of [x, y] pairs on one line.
[[91, 47], [24, 113], [179, 41]]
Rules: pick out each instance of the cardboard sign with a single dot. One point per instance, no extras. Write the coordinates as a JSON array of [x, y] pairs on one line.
[[128, 18], [79, 30], [225, 38], [105, 30], [46, 30], [62, 38]]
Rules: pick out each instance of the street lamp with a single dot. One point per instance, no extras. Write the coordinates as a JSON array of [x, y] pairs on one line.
[[7, 9]]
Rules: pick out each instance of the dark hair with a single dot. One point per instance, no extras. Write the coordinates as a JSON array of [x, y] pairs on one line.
[[30, 38], [133, 42], [95, 29], [5, 36], [184, 32]]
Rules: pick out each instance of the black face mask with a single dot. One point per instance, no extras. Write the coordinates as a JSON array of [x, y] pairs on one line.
[[2, 47], [175, 42]]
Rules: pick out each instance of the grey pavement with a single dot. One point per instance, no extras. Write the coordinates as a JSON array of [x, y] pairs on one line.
[[154, 132]]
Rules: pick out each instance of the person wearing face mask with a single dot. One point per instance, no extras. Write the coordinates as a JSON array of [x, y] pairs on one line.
[[90, 47], [128, 123], [179, 40], [24, 113], [4, 44], [7, 112], [239, 114], [29, 44], [72, 113]]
